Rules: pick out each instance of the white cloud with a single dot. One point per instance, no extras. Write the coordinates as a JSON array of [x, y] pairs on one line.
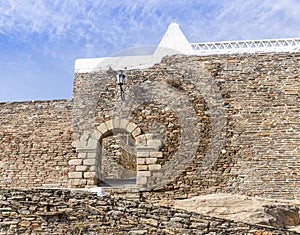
[[257, 19], [101, 27]]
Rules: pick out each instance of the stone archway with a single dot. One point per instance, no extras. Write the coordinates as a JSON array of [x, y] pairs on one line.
[[117, 164], [118, 159], [89, 148]]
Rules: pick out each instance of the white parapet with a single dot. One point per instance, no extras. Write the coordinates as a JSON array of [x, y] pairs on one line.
[[116, 63], [247, 46], [175, 42]]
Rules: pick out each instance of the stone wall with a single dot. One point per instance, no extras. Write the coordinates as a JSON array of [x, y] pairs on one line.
[[228, 123], [261, 95], [118, 162], [221, 123], [40, 211], [35, 143]]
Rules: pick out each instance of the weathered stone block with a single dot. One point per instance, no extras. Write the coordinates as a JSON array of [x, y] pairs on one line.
[[75, 162], [92, 143], [93, 168], [123, 123], [87, 175], [82, 155], [116, 123], [90, 162], [142, 167], [136, 132], [92, 156], [75, 175], [140, 161], [109, 125], [142, 180], [151, 160], [91, 183], [142, 154], [78, 182], [81, 168], [154, 167], [102, 128], [81, 144], [143, 174], [154, 143], [96, 134], [130, 127], [156, 154], [141, 140]]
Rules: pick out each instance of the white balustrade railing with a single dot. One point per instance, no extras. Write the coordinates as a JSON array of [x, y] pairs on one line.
[[247, 46]]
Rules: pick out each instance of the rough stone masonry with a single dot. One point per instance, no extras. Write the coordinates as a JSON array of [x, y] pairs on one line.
[[60, 211], [241, 113]]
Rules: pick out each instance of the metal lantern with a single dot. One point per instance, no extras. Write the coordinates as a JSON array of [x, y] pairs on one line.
[[120, 81], [120, 78]]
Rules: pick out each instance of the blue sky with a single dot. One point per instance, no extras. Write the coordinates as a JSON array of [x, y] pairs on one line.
[[40, 39]]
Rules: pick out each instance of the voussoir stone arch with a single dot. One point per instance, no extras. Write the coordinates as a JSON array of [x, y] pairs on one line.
[[89, 148], [113, 126], [86, 169]]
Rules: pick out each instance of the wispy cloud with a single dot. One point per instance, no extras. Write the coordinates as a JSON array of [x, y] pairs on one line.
[[248, 19], [112, 25]]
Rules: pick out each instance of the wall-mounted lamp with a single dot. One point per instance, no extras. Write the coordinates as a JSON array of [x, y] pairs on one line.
[[120, 80]]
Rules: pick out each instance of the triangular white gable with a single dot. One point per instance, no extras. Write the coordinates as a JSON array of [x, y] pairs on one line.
[[173, 42]]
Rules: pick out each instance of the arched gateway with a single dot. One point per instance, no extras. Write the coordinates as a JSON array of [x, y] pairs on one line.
[[89, 148]]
